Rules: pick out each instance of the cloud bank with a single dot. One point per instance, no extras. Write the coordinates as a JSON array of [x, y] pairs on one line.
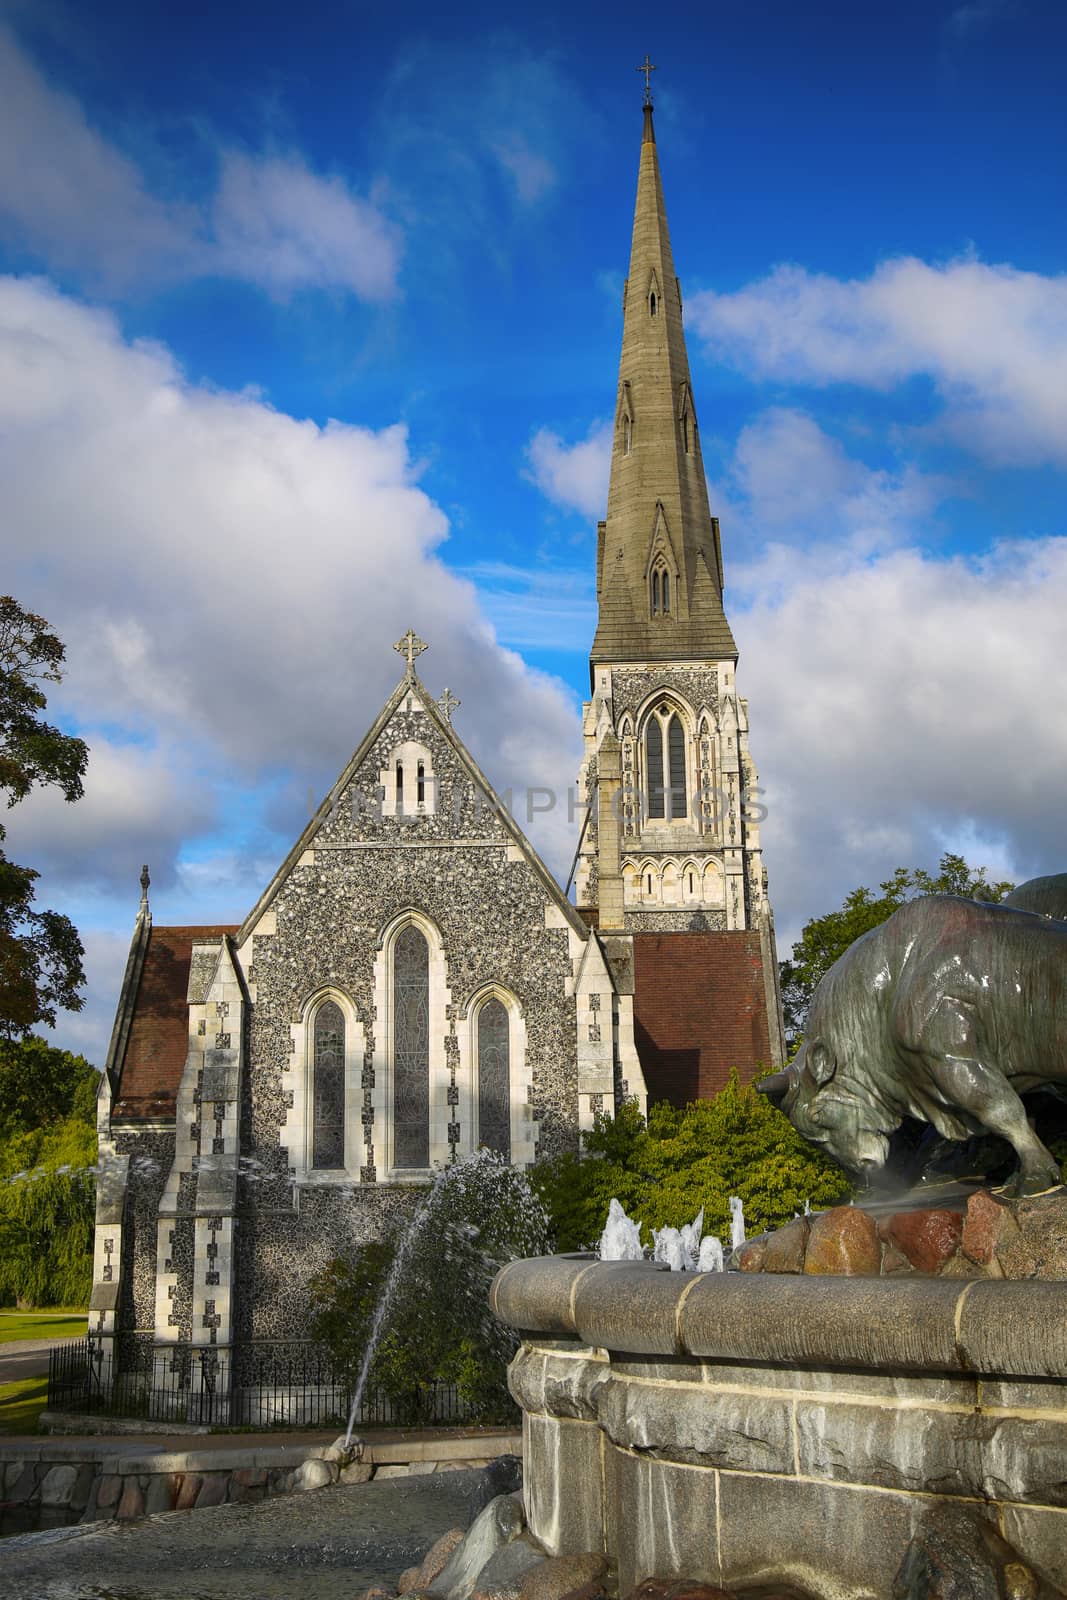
[[992, 339]]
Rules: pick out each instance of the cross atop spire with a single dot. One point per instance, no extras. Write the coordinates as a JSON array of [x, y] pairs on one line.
[[448, 704], [409, 647], [648, 69]]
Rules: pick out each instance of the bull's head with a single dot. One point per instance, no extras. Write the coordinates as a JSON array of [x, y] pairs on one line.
[[829, 1110]]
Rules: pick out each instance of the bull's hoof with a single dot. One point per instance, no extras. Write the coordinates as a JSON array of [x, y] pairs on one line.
[[1027, 1185]]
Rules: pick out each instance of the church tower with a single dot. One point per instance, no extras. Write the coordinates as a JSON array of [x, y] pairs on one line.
[[669, 864]]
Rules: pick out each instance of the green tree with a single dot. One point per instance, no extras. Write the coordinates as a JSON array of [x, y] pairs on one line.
[[40, 952], [826, 938], [40, 1085], [662, 1171]]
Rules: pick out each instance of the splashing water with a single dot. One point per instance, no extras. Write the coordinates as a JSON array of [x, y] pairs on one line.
[[621, 1239], [710, 1258], [737, 1223], [388, 1294], [680, 1249]]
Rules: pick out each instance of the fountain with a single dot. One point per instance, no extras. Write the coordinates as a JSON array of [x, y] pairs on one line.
[[806, 1420]]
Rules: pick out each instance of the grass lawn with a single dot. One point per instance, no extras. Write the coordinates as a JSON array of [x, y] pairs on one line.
[[53, 1324], [21, 1404]]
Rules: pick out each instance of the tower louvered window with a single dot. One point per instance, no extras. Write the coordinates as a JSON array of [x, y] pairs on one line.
[[659, 585], [494, 1078], [328, 1088], [411, 1049]]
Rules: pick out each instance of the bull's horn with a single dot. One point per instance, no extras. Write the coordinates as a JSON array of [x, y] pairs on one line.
[[777, 1087]]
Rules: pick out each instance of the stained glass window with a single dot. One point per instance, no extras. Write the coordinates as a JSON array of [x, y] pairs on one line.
[[654, 751], [676, 750], [411, 1049], [328, 1136], [494, 1079]]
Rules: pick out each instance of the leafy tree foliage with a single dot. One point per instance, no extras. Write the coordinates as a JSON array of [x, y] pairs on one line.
[[826, 938], [665, 1169], [40, 952], [40, 1085], [47, 1157], [438, 1325]]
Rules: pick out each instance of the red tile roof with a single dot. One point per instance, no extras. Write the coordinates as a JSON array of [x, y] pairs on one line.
[[159, 1032]]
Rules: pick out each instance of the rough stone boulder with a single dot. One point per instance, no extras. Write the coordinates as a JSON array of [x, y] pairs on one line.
[[843, 1241], [958, 1555], [787, 1247], [432, 1564], [559, 1576], [927, 1238], [498, 1525]]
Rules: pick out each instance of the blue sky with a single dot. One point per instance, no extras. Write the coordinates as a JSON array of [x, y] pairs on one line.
[[309, 327]]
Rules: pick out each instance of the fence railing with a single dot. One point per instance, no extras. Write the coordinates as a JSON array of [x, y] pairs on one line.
[[279, 1386]]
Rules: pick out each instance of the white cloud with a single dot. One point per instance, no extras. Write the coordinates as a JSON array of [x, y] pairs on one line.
[[993, 339], [229, 582], [790, 479], [976, 17], [573, 476], [901, 705], [71, 194], [538, 608], [280, 225], [531, 173], [75, 199]]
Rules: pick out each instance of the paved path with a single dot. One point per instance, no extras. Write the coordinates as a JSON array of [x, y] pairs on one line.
[[26, 1358], [326, 1545]]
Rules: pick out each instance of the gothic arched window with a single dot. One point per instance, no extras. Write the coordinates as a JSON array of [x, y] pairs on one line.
[[654, 766], [665, 765], [411, 1049], [676, 761], [660, 590], [494, 1078], [328, 1087]]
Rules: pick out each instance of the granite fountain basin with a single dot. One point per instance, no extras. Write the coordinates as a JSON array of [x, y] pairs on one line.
[[737, 1428]]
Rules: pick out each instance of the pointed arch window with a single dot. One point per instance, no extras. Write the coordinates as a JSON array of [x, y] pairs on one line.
[[654, 766], [659, 599], [653, 305], [665, 765], [411, 1049], [676, 763], [494, 1078], [328, 1088]]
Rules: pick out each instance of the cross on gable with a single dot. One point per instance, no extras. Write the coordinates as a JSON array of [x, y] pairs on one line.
[[409, 647], [448, 704]]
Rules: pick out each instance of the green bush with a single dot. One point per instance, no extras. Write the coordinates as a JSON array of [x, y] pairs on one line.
[[438, 1325], [663, 1170]]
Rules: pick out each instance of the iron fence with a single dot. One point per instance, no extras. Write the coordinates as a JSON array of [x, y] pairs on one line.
[[273, 1386]]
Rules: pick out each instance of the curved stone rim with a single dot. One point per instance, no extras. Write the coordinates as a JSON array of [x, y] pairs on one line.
[[1016, 1329]]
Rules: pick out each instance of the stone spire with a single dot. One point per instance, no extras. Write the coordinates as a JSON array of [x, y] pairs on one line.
[[659, 522]]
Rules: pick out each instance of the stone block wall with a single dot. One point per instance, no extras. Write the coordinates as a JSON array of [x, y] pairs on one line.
[[744, 1429]]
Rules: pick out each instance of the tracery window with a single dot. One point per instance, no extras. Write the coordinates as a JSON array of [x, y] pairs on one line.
[[328, 1088], [494, 1078], [411, 1049], [666, 786]]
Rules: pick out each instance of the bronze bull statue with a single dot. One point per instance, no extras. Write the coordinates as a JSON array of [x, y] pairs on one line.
[[947, 1012]]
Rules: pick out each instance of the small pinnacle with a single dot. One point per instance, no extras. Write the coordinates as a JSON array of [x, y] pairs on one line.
[[145, 881]]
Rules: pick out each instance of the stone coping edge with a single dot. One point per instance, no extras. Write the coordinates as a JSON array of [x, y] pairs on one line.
[[121, 1458], [913, 1324]]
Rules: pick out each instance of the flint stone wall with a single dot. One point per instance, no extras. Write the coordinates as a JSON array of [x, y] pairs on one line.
[[737, 1429]]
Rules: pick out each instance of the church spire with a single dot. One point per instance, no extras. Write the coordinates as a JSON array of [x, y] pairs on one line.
[[659, 566]]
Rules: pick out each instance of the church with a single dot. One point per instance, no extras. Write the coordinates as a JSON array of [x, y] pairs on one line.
[[413, 984]]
